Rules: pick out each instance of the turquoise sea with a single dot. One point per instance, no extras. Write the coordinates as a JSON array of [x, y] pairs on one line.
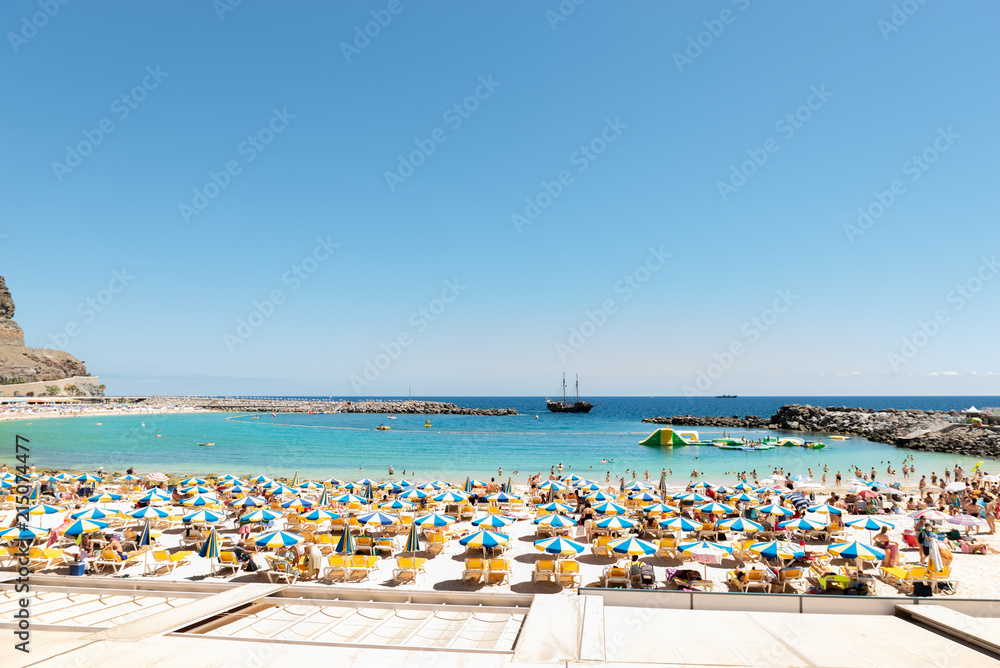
[[348, 446]]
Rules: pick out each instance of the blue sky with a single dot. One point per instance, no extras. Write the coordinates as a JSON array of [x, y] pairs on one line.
[[628, 126]]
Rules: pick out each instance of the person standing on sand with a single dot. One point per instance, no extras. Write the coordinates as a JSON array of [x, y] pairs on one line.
[[838, 478], [991, 514]]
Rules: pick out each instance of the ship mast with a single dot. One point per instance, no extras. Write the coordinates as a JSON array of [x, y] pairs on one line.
[[577, 388], [564, 387]]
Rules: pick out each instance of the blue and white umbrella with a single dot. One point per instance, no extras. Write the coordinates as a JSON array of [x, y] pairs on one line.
[[776, 549], [632, 546], [695, 546], [196, 489], [24, 534], [775, 509], [149, 512], [260, 515], [615, 523], [493, 521], [554, 485], [279, 539], [297, 503], [349, 498], [377, 519], [870, 524], [200, 501], [559, 545], [645, 496], [434, 520], [740, 524], [484, 539], [825, 508], [155, 494], [206, 516], [802, 524], [715, 508], [93, 514], [555, 522], [412, 539], [248, 502], [691, 497], [451, 496], [414, 495], [856, 550], [396, 504], [320, 515], [192, 481], [680, 524], [599, 496], [84, 526], [661, 508], [502, 497], [556, 507], [609, 508]]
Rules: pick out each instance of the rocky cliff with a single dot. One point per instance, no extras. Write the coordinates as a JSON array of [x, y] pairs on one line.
[[21, 365]]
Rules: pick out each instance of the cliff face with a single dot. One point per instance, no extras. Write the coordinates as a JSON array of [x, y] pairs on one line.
[[20, 364]]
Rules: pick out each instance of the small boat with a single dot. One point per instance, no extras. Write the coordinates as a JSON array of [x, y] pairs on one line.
[[391, 416], [97, 424], [427, 424], [205, 444], [536, 417], [274, 415], [383, 427], [839, 438], [725, 396], [143, 424]]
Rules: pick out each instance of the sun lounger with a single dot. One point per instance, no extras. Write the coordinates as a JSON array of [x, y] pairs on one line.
[[756, 579], [435, 542], [545, 569], [407, 568], [569, 573], [942, 581], [601, 548], [666, 547], [497, 572], [228, 561], [163, 559], [335, 568], [360, 567], [282, 570], [112, 559], [474, 569], [613, 576], [42, 559], [788, 577]]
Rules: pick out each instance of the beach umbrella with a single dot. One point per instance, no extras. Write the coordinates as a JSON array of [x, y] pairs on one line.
[[930, 514], [434, 520], [7, 484], [36, 493], [415, 495], [349, 498], [396, 504], [600, 496], [297, 503], [777, 549], [775, 509], [206, 516], [210, 549], [555, 521], [955, 486], [145, 538], [559, 545], [967, 520], [192, 481], [229, 477], [324, 498], [556, 507], [701, 485], [451, 496], [715, 508], [200, 501], [609, 507], [802, 524], [238, 489], [261, 478], [572, 478], [196, 489], [320, 515], [128, 477], [798, 500], [645, 496], [632, 546], [484, 539], [680, 524], [248, 502], [281, 490], [346, 543], [45, 509], [870, 523], [149, 512], [377, 519], [856, 550], [743, 487], [279, 539], [695, 546], [93, 514], [430, 487], [472, 483], [260, 515], [85, 526], [501, 497], [440, 484], [745, 498], [588, 487], [364, 482], [692, 497], [826, 509], [369, 493], [22, 533], [740, 524], [412, 539], [493, 521], [335, 482], [616, 523], [660, 508], [105, 497], [88, 477], [155, 494], [554, 485]]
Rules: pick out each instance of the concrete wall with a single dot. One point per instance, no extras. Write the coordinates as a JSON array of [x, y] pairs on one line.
[[22, 389]]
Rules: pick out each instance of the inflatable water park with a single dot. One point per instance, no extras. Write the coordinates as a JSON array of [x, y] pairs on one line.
[[668, 437]]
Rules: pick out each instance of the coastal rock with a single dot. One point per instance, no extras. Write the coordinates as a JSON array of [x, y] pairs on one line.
[[746, 422], [19, 364], [322, 406]]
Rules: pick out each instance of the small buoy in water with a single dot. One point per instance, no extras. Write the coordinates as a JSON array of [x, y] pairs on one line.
[[536, 417]]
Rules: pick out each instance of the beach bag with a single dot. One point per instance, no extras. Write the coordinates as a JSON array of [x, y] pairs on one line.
[[922, 589], [250, 566]]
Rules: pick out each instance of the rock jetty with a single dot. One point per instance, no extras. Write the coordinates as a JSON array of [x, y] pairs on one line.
[[249, 405], [933, 431]]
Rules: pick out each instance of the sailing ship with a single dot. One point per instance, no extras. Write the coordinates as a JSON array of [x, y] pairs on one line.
[[564, 406]]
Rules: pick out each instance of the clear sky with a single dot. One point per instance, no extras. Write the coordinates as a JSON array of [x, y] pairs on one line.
[[479, 181]]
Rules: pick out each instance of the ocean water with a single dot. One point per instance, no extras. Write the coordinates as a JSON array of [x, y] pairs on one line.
[[348, 446]]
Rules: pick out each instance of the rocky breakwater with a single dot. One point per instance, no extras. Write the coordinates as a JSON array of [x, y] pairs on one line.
[[745, 422], [420, 407]]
